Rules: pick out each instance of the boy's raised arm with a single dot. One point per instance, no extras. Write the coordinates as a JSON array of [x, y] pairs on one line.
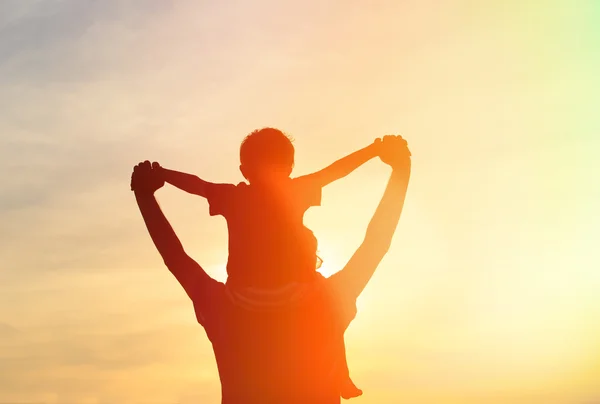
[[345, 165], [186, 182]]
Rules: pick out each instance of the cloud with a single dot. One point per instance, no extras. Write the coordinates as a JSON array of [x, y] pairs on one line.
[[47, 33], [79, 107], [8, 332], [54, 138], [48, 357]]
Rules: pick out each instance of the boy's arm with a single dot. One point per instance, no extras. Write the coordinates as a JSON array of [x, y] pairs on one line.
[[186, 182], [344, 166]]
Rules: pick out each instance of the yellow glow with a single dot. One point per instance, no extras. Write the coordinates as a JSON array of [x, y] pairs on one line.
[[490, 291]]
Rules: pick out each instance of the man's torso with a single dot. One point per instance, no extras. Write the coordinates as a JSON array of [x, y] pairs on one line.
[[276, 355]]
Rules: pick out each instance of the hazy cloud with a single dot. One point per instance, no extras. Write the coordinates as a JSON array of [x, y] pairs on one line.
[[501, 115]]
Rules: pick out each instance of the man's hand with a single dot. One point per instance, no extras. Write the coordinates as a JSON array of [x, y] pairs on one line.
[[394, 152], [146, 178]]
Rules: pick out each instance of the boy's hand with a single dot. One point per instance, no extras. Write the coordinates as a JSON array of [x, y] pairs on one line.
[[376, 146], [158, 170], [146, 178], [394, 152]]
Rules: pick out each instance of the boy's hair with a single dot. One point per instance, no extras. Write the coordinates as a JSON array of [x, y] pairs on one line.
[[267, 146]]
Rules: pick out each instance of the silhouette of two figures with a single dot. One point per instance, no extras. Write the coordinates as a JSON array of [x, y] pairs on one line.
[[277, 325]]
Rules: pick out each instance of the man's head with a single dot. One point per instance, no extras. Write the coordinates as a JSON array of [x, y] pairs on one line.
[[306, 250], [266, 155]]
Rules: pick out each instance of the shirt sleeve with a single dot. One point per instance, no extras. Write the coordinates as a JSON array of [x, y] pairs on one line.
[[220, 198], [308, 192]]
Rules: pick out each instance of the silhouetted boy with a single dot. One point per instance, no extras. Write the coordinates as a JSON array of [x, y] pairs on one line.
[[270, 249]]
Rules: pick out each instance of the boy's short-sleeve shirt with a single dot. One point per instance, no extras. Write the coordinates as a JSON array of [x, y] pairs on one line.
[[268, 243]]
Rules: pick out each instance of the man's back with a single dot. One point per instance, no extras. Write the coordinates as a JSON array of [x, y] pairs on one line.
[[286, 354]]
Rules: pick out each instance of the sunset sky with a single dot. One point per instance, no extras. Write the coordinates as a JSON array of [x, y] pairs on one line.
[[491, 291]]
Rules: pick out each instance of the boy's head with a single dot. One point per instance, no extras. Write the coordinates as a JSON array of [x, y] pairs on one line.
[[266, 155]]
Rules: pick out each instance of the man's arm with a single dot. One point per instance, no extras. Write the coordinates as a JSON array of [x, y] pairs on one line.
[[359, 270], [343, 166], [186, 182], [189, 274]]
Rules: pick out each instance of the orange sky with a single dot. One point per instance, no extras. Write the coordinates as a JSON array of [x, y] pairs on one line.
[[490, 291]]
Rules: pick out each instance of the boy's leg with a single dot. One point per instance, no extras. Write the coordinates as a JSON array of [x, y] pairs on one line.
[[344, 302], [347, 389]]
